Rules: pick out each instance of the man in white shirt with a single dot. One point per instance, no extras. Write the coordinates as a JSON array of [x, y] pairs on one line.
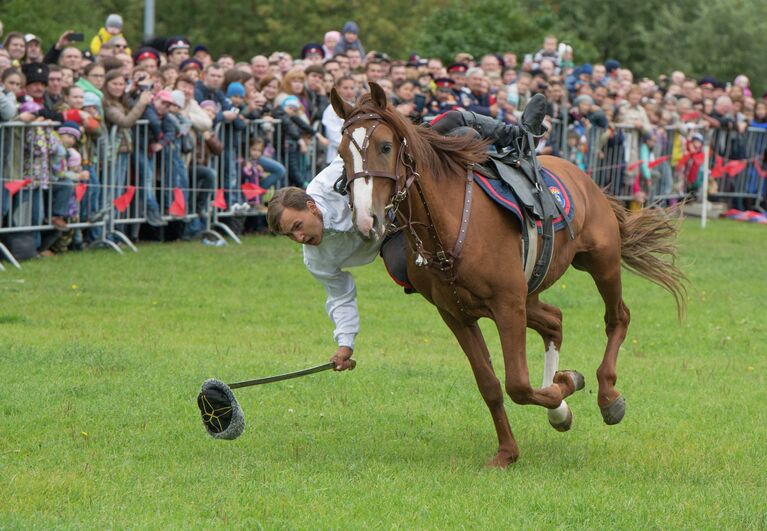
[[321, 220]]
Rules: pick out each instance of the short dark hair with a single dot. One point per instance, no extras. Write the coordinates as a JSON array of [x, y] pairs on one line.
[[289, 197], [315, 69]]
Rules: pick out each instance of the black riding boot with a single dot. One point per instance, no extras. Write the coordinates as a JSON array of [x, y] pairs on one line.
[[500, 134]]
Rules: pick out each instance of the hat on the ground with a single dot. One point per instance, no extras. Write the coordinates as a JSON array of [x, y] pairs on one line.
[[70, 128], [178, 98], [351, 27], [235, 89], [35, 72], [91, 100], [114, 21]]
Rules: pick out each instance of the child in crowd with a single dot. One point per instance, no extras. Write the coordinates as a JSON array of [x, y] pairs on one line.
[[236, 94], [576, 144], [253, 172]]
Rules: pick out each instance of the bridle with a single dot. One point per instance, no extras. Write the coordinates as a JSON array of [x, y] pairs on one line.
[[401, 182]]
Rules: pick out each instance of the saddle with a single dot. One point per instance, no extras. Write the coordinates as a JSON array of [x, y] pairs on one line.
[[520, 170]]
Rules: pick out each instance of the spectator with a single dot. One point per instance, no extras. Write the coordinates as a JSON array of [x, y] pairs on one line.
[[315, 92], [549, 51], [16, 46], [12, 85], [5, 60], [331, 123], [112, 28], [177, 50], [329, 42], [34, 50], [259, 67], [474, 98], [93, 79], [350, 41], [53, 92]]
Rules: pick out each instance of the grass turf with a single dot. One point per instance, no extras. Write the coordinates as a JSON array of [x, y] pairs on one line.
[[103, 356]]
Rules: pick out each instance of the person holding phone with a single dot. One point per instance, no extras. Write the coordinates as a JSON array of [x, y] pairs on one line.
[[407, 101]]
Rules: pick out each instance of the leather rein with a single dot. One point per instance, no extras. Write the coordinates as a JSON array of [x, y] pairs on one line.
[[441, 259]]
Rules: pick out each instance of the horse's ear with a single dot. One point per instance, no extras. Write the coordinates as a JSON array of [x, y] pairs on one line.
[[339, 105], [378, 95]]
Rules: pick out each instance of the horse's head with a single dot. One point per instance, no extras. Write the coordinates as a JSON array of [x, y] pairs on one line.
[[374, 159]]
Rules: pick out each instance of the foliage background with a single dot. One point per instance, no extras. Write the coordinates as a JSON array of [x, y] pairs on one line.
[[717, 37]]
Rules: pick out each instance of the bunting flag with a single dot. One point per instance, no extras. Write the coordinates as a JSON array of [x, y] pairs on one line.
[[80, 190], [13, 187], [121, 203], [761, 170], [633, 167], [734, 167], [658, 161], [219, 201], [252, 191], [178, 207]]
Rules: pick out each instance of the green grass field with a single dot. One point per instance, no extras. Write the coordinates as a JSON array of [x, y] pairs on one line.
[[102, 357]]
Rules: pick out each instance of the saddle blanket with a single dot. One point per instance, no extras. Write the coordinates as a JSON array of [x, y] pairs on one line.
[[501, 193]]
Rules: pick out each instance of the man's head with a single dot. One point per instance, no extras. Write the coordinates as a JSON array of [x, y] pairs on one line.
[[34, 48], [71, 58], [226, 62], [314, 76], [214, 76], [55, 81], [355, 58], [36, 75], [259, 66], [373, 71], [490, 63], [293, 213], [178, 50], [474, 79]]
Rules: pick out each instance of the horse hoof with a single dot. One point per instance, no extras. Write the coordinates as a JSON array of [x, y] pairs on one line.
[[578, 380], [613, 413], [502, 459], [561, 418]]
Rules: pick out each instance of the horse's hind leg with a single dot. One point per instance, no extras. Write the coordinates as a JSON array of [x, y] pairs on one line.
[[547, 321], [605, 268], [473, 344]]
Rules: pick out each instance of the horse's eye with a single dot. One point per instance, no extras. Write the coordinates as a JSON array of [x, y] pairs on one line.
[[386, 149]]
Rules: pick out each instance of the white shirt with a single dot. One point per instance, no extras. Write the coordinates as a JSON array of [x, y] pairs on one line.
[[342, 246], [333, 125]]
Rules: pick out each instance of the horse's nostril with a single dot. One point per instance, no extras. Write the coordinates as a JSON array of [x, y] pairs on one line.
[[375, 222]]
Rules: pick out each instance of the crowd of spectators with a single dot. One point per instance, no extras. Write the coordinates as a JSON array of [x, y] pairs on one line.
[[184, 90]]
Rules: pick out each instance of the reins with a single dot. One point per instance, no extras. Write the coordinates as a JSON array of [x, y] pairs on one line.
[[442, 260]]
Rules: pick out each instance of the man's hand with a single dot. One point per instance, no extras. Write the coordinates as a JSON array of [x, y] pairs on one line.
[[342, 359], [64, 41]]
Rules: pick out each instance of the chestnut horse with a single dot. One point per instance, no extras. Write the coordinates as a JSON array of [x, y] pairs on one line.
[[397, 169]]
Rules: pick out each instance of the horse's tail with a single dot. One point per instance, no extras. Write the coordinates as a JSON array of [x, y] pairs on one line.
[[648, 249]]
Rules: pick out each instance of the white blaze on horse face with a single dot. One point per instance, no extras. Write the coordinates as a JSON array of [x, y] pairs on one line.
[[362, 189]]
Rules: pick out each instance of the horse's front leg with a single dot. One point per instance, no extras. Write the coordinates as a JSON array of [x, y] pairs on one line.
[[510, 319], [470, 338]]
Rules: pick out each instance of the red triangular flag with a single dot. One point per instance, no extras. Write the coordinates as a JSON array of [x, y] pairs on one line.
[[734, 167], [252, 191], [80, 191], [13, 187], [634, 166], [761, 170], [657, 162], [219, 201], [121, 203], [178, 207], [718, 169]]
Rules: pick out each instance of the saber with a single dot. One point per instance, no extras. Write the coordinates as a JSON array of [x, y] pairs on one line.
[[221, 413]]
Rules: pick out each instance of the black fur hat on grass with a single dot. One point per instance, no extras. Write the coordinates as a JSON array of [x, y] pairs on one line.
[[221, 414]]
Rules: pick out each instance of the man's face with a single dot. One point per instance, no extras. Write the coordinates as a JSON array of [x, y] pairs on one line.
[[598, 74], [547, 67], [355, 59], [333, 68], [490, 64], [374, 72], [475, 82], [71, 58], [226, 62], [33, 50], [343, 63], [55, 83], [600, 93], [178, 56], [398, 73], [149, 64], [259, 66], [314, 81], [17, 48], [36, 90], [302, 226], [214, 78]]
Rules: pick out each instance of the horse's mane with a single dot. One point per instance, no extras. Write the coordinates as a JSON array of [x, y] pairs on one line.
[[432, 152]]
